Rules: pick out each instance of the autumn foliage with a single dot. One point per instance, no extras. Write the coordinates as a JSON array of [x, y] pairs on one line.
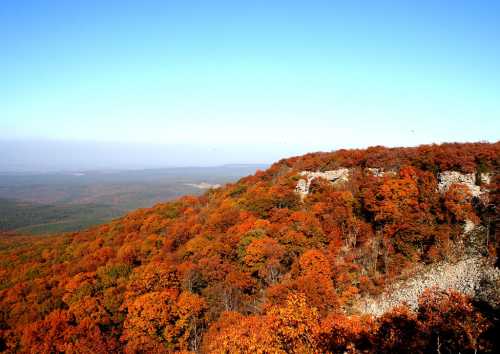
[[252, 268]]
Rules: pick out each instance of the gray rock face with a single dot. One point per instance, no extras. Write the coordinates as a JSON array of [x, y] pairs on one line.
[[380, 172], [472, 276], [469, 226], [302, 187], [335, 176], [447, 178]]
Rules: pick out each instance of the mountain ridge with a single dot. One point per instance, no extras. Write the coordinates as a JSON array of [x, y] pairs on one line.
[[254, 267]]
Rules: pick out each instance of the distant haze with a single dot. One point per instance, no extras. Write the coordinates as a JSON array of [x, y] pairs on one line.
[[59, 156], [50, 156]]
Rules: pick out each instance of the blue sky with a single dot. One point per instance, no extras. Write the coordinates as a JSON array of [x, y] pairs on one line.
[[289, 77]]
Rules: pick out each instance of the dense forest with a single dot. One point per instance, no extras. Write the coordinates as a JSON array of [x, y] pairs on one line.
[[255, 267]]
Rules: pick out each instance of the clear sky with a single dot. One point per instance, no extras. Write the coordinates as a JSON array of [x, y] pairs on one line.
[[285, 77]]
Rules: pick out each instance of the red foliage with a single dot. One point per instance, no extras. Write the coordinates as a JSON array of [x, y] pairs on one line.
[[253, 268]]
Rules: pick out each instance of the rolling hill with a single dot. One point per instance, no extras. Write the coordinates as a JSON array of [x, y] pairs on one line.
[[378, 250]]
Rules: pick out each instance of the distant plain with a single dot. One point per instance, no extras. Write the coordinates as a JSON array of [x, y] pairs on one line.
[[42, 203]]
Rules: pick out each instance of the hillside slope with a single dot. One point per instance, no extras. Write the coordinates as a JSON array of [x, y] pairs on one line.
[[275, 263]]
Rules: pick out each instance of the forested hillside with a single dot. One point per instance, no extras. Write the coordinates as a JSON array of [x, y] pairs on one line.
[[275, 263]]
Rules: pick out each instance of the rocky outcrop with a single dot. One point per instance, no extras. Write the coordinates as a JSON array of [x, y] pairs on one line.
[[447, 178], [469, 226], [335, 176], [472, 276], [379, 172], [469, 180]]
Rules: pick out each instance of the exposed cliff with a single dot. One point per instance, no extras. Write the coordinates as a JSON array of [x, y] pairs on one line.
[[472, 274]]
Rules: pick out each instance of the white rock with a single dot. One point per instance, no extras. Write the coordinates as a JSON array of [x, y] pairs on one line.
[[486, 178], [377, 172], [469, 226], [335, 176], [380, 172], [447, 178], [302, 187]]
